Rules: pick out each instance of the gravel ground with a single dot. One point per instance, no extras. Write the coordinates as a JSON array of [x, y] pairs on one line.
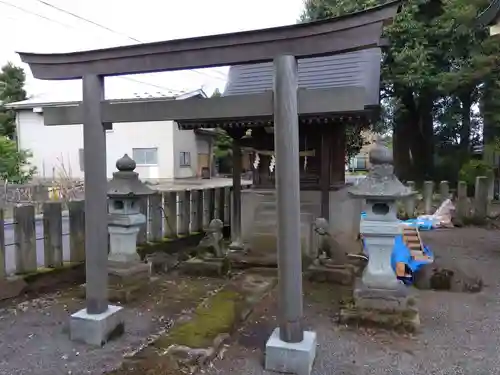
[[459, 335], [34, 334], [36, 341]]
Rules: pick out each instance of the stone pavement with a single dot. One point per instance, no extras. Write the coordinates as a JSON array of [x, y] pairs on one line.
[[459, 335]]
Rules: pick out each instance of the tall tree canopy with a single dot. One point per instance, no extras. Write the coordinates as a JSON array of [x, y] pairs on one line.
[[439, 67], [14, 163], [12, 80]]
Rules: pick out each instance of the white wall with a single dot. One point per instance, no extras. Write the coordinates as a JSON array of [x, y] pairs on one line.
[[185, 141], [55, 146], [203, 145]]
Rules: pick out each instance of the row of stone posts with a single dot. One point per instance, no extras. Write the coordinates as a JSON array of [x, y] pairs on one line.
[[129, 201], [480, 206]]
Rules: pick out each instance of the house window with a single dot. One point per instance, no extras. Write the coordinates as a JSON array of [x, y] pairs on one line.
[[361, 162], [145, 156], [81, 160], [358, 162], [185, 159]]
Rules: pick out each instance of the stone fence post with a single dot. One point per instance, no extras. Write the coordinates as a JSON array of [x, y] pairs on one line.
[[184, 212], [410, 200], [170, 212], [427, 195], [25, 238], [444, 191], [76, 212], [461, 205], [155, 217], [481, 198], [52, 233]]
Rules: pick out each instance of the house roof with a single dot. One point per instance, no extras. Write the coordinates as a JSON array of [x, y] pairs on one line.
[[490, 15], [70, 92], [354, 69]]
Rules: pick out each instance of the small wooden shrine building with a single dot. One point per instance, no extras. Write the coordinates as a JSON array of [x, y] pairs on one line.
[[349, 82]]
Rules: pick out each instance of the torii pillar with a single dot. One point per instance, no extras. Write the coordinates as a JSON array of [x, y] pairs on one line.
[[96, 323], [289, 349]]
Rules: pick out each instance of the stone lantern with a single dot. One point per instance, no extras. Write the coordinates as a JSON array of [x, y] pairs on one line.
[[381, 190], [125, 220], [380, 288]]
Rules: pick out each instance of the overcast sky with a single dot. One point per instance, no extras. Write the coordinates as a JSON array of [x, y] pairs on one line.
[[35, 26]]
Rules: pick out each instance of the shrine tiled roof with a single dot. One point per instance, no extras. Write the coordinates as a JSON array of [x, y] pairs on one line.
[[358, 69]]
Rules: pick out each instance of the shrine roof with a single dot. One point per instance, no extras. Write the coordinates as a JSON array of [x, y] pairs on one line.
[[354, 69]]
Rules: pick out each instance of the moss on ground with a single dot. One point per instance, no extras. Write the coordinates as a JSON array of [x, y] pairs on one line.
[[30, 277], [217, 315]]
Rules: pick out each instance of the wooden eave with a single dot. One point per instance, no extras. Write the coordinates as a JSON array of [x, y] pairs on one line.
[[355, 118]]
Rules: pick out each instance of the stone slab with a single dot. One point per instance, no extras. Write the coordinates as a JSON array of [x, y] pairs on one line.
[[12, 287], [97, 329], [125, 293], [128, 272], [400, 299], [406, 321], [341, 275], [214, 267], [292, 358]]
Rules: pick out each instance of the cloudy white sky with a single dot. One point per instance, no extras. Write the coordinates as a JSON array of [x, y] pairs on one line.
[[37, 26]]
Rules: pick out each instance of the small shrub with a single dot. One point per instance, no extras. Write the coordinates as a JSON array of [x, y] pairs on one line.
[[473, 169]]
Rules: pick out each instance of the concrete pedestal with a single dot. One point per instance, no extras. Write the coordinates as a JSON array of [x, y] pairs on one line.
[[123, 239], [387, 308], [291, 358], [126, 280], [97, 329]]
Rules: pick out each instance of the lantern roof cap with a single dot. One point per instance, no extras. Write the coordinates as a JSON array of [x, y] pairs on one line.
[[381, 182], [125, 183]]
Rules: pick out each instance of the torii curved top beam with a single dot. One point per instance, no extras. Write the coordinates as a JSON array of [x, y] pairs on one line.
[[342, 34], [490, 15]]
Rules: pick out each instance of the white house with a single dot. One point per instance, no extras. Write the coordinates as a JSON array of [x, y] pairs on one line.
[[160, 149]]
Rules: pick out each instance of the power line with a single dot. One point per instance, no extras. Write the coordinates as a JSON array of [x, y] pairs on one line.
[[112, 31], [87, 20], [34, 14], [72, 27]]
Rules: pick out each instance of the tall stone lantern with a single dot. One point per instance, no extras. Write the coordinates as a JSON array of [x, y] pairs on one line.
[[380, 298], [381, 190], [124, 222]]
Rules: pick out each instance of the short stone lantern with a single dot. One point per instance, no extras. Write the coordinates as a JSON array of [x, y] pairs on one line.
[[380, 288], [124, 222]]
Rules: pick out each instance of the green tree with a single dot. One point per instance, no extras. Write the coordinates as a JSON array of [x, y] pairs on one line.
[[222, 145], [12, 81], [14, 164], [433, 74]]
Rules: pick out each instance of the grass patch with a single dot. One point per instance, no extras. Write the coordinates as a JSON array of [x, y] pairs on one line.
[[215, 316]]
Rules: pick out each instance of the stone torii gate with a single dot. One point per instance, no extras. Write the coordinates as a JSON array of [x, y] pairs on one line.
[[289, 349], [491, 17]]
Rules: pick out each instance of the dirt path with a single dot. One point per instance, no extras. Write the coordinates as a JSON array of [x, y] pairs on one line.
[[459, 335], [34, 334]]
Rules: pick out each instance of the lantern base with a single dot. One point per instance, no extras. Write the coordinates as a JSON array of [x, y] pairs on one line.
[[386, 308]]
